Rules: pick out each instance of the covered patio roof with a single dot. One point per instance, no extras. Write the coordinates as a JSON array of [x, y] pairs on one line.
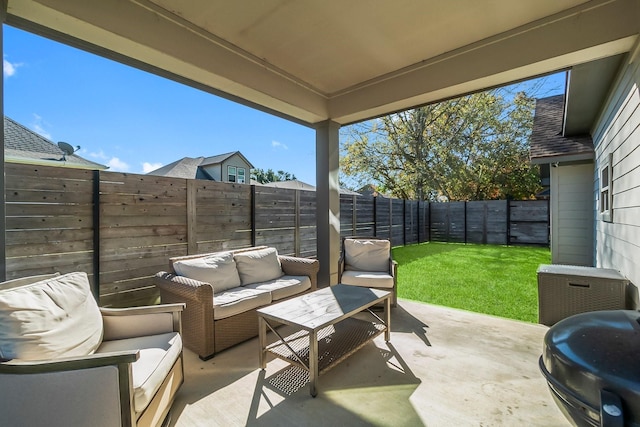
[[335, 60], [330, 63]]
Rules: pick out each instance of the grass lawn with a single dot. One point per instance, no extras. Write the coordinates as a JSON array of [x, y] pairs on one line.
[[491, 279]]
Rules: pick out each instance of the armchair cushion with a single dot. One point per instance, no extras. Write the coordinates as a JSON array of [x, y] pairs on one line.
[[369, 279], [158, 353], [367, 255], [258, 266], [218, 269], [50, 318]]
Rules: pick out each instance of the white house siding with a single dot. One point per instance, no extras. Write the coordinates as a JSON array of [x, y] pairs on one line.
[[618, 132], [572, 214], [218, 171]]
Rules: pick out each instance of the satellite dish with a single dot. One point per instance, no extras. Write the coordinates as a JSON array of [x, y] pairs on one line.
[[67, 149]]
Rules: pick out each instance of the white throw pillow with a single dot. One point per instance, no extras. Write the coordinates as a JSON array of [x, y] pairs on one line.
[[258, 266], [218, 269], [367, 255], [48, 319]]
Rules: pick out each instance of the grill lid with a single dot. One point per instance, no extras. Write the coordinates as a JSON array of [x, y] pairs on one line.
[[593, 352]]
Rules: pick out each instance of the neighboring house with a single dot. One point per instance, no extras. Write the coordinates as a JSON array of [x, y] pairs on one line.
[[566, 165], [299, 185], [229, 167], [22, 145]]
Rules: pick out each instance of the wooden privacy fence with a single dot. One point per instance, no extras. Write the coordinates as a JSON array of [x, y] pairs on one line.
[[122, 228]]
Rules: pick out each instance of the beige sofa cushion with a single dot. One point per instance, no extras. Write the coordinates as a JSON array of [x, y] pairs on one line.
[[367, 255], [284, 286], [238, 300], [258, 266], [48, 319], [158, 353], [218, 269], [369, 279]]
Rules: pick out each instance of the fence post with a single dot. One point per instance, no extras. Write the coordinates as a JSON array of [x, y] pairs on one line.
[[375, 216], [354, 219], [429, 221], [418, 222], [404, 222], [296, 225], [253, 215], [508, 221], [96, 235], [391, 220], [484, 223], [465, 221], [192, 239]]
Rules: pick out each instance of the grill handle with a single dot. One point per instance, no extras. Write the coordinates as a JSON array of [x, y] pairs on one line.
[[611, 414]]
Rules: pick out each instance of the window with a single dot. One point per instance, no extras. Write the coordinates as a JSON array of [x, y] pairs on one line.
[[231, 175], [236, 174], [606, 194]]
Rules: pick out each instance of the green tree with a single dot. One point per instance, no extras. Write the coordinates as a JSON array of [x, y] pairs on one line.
[[269, 175], [470, 148]]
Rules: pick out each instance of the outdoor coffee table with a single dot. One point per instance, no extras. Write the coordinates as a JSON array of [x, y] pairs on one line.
[[327, 331]]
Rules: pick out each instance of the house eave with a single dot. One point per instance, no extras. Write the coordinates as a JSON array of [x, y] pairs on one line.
[[54, 163], [564, 159]]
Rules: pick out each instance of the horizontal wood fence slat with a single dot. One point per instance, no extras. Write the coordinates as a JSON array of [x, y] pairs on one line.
[[122, 228]]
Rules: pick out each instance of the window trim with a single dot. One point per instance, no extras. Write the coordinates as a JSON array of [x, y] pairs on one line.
[[231, 177], [605, 199], [242, 180]]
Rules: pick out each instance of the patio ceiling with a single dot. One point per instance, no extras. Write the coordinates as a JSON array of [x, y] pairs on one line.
[[345, 61]]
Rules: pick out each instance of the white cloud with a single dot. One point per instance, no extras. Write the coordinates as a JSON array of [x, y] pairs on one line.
[[277, 144], [114, 163], [148, 167], [9, 69], [99, 155], [117, 165], [38, 126]]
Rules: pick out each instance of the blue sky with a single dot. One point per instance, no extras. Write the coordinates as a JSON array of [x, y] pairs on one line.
[[135, 122], [131, 120]]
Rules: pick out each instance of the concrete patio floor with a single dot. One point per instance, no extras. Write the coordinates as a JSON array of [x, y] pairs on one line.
[[443, 367]]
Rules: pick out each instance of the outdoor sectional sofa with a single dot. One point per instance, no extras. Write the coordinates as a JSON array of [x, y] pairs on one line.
[[223, 290]]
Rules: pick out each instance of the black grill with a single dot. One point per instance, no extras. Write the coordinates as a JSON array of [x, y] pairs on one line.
[[592, 364]]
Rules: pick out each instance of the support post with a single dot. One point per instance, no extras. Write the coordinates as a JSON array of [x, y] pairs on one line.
[[3, 201], [327, 201]]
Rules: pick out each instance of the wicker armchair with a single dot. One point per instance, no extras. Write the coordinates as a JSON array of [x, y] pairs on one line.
[[367, 261]]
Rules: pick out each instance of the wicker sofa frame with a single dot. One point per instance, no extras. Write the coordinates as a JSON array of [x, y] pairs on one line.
[[201, 333]]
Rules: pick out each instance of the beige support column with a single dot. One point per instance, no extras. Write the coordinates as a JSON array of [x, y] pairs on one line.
[[3, 207], [327, 201]]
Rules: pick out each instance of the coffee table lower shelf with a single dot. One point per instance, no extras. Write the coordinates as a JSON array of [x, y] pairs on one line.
[[335, 343]]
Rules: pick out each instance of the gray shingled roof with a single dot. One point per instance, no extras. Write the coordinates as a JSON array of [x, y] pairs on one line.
[[547, 144], [22, 145], [187, 167], [214, 160], [190, 167]]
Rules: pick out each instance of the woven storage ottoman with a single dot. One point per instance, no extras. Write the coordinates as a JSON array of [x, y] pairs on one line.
[[565, 290]]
